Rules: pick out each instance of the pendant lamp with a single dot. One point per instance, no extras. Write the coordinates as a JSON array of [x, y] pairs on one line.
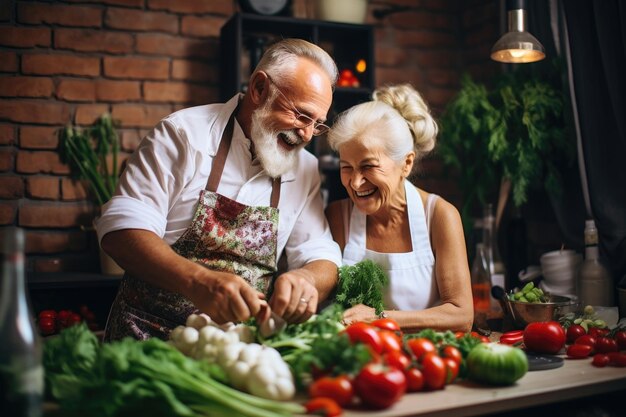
[[517, 45]]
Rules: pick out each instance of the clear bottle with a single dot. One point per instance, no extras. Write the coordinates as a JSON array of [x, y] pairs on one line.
[[492, 254], [595, 284], [481, 286], [21, 370]]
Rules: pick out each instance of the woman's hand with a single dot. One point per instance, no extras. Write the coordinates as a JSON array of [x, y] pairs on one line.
[[359, 312]]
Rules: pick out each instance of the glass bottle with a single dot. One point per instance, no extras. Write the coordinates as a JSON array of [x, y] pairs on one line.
[[481, 286], [21, 371], [595, 284], [492, 254]]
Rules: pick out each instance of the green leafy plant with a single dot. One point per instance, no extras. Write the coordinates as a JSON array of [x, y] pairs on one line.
[[87, 151], [362, 283], [515, 132]]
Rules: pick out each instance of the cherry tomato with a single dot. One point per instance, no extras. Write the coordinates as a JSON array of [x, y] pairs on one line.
[[512, 338], [606, 344], [365, 333], [338, 388], [544, 337], [452, 353], [391, 342], [397, 359], [386, 324], [323, 406], [434, 370], [48, 314], [600, 360], [63, 318], [47, 326], [421, 346], [452, 369], [459, 335], [414, 379], [479, 336], [617, 359], [379, 386], [587, 340], [74, 319], [620, 338], [597, 332], [574, 332], [576, 351]]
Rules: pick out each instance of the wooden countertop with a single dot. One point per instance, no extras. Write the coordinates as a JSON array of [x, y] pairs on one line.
[[575, 379]]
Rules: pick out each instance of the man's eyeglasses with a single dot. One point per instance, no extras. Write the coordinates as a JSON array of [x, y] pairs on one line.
[[301, 121]]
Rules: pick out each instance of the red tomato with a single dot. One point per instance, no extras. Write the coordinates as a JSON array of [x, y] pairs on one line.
[[414, 379], [600, 360], [322, 406], [434, 370], [597, 332], [397, 359], [617, 359], [587, 340], [391, 342], [512, 338], [379, 386], [365, 333], [51, 314], [452, 369], [47, 326], [620, 338], [452, 353], [544, 337], [421, 346], [338, 388], [606, 344], [63, 318], [386, 324], [74, 319], [574, 332], [459, 335], [576, 351]]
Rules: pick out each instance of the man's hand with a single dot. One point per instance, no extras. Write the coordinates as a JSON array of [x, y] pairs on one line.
[[295, 297]]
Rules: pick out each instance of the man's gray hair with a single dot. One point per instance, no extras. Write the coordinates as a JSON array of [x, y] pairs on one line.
[[279, 59]]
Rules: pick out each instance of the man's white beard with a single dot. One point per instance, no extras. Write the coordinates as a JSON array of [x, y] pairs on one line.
[[274, 159]]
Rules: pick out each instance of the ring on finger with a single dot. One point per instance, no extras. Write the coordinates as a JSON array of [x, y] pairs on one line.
[[304, 300]]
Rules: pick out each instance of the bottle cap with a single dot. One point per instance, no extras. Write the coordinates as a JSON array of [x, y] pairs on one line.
[[12, 240], [590, 224]]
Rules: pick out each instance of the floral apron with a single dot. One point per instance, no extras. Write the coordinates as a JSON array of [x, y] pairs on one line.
[[224, 235]]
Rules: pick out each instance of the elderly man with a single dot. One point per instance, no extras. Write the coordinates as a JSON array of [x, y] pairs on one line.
[[212, 197]]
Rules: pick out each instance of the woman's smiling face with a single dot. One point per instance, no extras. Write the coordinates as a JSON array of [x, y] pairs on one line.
[[372, 179]]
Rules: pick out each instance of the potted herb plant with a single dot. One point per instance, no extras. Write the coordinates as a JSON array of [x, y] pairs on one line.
[[92, 154], [505, 139]]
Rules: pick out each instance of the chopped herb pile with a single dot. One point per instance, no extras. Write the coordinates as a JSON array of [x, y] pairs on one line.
[[362, 283]]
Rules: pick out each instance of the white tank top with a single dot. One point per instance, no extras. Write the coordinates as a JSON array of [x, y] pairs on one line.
[[412, 284]]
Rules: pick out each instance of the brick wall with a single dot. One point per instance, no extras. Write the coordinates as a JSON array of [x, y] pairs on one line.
[[70, 61]]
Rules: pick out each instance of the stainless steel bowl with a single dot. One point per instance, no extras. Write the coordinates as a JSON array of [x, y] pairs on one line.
[[524, 313]]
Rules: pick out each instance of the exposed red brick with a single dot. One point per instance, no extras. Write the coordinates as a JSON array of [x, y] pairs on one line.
[[484, 14], [140, 20], [87, 40], [131, 115], [186, 70], [72, 189], [426, 39], [175, 92], [435, 59], [442, 77], [7, 156], [136, 68], [129, 140], [438, 98], [422, 20], [66, 15], [54, 214], [127, 3], [26, 87], [193, 6], [11, 187], [55, 242], [42, 188], [8, 211], [6, 11], [76, 90], [8, 61], [395, 75], [87, 114], [22, 37], [24, 111], [57, 64], [204, 26], [7, 135], [482, 35], [32, 137], [44, 162], [391, 56], [118, 90], [175, 46]]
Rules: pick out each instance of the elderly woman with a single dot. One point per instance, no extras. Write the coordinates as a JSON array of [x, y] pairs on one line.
[[416, 236]]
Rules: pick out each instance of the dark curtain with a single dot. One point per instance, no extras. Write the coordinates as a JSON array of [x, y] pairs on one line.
[[597, 39]]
